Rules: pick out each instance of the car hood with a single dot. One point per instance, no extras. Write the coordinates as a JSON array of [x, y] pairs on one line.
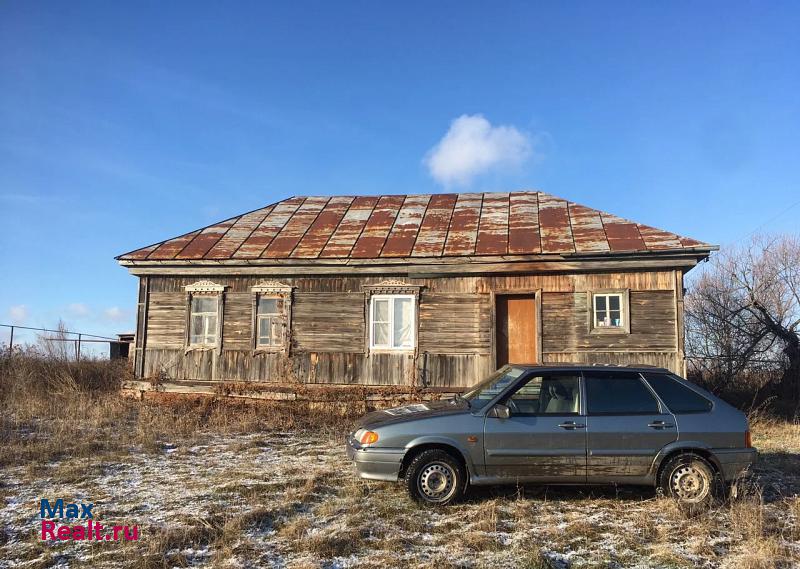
[[413, 412]]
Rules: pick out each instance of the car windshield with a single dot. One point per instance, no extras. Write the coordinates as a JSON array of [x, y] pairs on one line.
[[480, 394]]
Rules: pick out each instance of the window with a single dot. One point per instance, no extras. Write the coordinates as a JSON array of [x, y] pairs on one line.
[[269, 322], [551, 395], [479, 395], [608, 310], [203, 320], [392, 322], [272, 316], [679, 398], [618, 394]]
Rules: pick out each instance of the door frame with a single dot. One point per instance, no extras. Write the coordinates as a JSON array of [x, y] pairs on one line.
[[537, 294]]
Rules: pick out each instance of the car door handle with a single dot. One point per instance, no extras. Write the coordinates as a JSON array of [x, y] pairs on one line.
[[572, 425], [660, 425]]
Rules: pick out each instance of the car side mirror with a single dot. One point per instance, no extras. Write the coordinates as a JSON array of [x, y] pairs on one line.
[[500, 412]]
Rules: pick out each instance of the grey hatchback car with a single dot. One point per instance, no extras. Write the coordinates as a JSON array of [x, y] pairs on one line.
[[559, 424]]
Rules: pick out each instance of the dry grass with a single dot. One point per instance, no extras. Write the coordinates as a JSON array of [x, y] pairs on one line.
[[219, 483], [59, 408]]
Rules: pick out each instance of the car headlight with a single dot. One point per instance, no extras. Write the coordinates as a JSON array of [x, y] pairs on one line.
[[368, 438]]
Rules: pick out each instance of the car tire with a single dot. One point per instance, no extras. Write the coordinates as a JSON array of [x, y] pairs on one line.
[[435, 478], [690, 479]]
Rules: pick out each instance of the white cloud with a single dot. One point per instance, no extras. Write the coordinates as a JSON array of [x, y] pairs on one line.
[[18, 314], [78, 310], [115, 314], [472, 146]]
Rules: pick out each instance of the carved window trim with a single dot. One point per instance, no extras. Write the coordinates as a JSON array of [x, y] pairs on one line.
[[209, 289], [279, 290]]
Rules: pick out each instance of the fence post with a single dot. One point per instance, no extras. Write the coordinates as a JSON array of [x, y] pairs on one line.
[[11, 340]]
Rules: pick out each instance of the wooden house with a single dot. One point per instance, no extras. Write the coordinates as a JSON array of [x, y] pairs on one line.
[[423, 291]]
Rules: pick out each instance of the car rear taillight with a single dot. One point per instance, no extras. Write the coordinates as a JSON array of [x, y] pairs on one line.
[[748, 443]]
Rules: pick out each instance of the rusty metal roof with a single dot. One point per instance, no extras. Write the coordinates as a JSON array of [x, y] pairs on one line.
[[415, 226]]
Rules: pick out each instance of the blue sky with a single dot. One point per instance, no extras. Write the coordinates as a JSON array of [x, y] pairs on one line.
[[121, 125]]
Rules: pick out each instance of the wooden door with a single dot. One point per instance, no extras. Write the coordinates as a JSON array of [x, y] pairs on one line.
[[516, 329]]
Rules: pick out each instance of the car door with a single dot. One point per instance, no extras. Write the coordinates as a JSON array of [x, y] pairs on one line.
[[625, 425], [544, 438]]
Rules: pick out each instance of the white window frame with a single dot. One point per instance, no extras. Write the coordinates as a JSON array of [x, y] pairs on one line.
[[205, 319], [279, 315], [624, 326], [390, 347]]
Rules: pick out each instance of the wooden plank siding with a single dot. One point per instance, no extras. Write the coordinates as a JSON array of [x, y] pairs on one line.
[[328, 322], [565, 323], [455, 323], [166, 320], [237, 321], [455, 331]]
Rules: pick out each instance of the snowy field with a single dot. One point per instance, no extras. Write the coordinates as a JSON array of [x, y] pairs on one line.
[[286, 499]]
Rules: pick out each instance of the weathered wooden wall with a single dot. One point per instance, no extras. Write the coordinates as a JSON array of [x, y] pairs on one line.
[[455, 329]]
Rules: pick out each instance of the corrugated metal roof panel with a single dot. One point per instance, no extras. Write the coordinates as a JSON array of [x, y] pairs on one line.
[[433, 231], [493, 228], [322, 229], [435, 225], [262, 236], [463, 233], [371, 240], [400, 241], [238, 233], [168, 249], [288, 238], [350, 228], [622, 235], [587, 229], [523, 224], [204, 241], [659, 239], [555, 225]]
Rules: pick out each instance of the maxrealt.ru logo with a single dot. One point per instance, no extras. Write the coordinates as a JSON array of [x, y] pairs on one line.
[[91, 530]]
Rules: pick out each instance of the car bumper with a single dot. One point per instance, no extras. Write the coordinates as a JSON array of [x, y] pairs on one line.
[[375, 463], [735, 461]]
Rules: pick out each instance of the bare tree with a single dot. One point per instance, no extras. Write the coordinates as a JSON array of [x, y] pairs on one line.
[[743, 313]]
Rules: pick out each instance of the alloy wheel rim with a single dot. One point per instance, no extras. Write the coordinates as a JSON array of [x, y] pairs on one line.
[[437, 482], [690, 483]]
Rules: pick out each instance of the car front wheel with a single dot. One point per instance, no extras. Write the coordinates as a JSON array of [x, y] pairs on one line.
[[435, 478]]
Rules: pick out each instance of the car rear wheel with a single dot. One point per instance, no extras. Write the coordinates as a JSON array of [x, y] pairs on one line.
[[690, 479], [435, 478]]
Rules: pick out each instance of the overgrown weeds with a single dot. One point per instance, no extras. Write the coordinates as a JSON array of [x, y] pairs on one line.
[[52, 408]]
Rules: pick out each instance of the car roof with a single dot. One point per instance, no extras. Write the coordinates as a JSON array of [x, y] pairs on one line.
[[589, 367]]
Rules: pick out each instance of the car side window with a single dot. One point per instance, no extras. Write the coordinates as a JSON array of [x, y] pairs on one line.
[[618, 394], [546, 395], [679, 398]]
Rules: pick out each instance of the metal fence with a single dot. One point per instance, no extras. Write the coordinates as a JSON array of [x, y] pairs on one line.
[[76, 338]]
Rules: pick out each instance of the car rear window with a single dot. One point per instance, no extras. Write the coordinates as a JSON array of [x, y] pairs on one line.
[[618, 394], [679, 398]]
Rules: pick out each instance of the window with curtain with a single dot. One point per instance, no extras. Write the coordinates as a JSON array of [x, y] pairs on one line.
[[269, 322], [203, 320], [392, 322]]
